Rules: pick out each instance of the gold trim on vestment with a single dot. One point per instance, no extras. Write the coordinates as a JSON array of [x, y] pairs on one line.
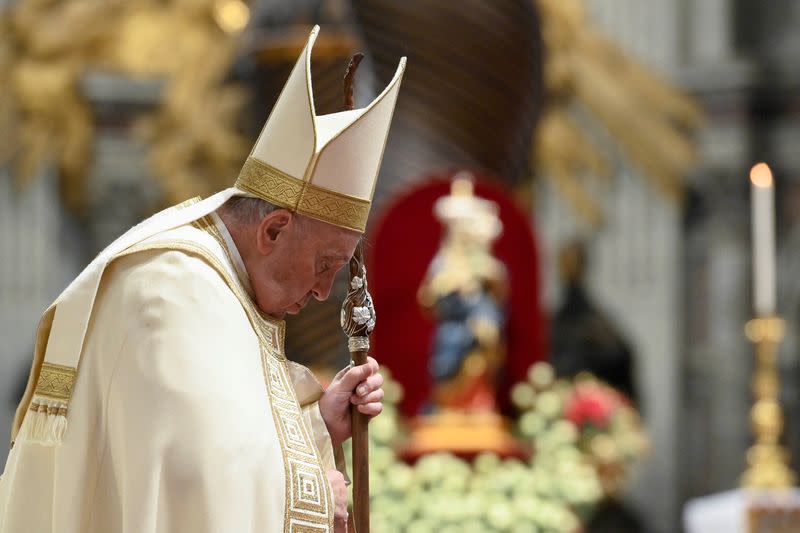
[[309, 503], [55, 382], [47, 409], [307, 495], [187, 203], [279, 188]]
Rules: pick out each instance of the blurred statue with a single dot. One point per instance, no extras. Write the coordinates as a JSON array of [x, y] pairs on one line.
[[584, 338], [464, 291]]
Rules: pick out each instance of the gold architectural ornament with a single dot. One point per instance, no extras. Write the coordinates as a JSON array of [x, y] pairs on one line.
[[43, 116], [588, 79], [46, 50], [767, 460]]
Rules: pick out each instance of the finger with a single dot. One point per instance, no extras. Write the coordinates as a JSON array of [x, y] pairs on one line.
[[374, 396], [370, 409], [373, 363], [354, 376], [372, 383]]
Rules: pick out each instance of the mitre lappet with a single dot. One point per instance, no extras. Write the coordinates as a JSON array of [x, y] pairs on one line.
[[320, 166]]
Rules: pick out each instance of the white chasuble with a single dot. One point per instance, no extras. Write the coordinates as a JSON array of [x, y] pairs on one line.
[[185, 415]]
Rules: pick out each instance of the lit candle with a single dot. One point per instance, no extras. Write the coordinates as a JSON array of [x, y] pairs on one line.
[[762, 193]]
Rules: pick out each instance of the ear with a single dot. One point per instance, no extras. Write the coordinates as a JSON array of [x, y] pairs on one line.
[[272, 227]]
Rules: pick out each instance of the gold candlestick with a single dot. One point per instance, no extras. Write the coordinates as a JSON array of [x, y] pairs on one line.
[[767, 460]]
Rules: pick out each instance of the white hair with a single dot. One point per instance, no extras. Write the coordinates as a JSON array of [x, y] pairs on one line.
[[245, 210]]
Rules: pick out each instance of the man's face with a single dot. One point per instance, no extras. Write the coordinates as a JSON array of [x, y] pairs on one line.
[[299, 260]]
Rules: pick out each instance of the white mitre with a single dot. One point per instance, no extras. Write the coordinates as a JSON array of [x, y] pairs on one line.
[[322, 166]]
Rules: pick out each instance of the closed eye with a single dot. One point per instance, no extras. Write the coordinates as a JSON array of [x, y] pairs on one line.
[[324, 267]]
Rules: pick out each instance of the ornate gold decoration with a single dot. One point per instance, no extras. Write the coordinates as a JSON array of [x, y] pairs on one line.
[[309, 505], [336, 208], [269, 183], [279, 188], [48, 409], [650, 119], [55, 382], [767, 460], [46, 50]]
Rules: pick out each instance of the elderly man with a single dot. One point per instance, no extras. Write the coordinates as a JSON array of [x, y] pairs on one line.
[[160, 398]]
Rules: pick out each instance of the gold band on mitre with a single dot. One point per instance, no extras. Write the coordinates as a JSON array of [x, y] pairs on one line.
[[279, 188]]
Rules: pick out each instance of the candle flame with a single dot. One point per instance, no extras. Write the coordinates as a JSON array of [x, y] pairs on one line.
[[761, 175]]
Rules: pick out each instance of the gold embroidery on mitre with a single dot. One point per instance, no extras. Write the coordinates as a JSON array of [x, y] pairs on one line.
[[279, 188], [269, 183], [55, 381], [334, 208]]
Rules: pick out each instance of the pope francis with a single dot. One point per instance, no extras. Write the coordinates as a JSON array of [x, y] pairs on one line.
[[160, 398]]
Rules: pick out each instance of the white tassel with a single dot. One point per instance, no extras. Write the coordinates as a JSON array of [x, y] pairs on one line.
[[47, 427], [59, 427], [39, 418], [45, 422]]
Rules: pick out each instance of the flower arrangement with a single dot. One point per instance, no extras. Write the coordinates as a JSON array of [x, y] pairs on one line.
[[553, 492], [600, 421]]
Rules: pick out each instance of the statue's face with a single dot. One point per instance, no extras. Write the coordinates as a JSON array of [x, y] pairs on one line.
[[298, 258]]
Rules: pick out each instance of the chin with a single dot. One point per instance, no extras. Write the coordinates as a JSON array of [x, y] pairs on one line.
[[272, 313]]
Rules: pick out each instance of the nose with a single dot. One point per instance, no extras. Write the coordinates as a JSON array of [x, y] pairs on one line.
[[323, 288]]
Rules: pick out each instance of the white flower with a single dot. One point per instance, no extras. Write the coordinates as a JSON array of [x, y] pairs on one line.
[[356, 283], [362, 315], [371, 323]]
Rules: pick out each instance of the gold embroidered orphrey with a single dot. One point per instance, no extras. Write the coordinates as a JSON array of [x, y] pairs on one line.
[[309, 504], [279, 188], [55, 382]]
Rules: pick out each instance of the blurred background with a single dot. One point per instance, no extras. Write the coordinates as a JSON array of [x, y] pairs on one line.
[[613, 137]]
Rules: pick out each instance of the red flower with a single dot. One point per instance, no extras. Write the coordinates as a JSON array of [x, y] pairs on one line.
[[591, 403]]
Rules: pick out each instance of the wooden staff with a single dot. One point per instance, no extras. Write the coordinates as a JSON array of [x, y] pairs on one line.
[[358, 320]]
